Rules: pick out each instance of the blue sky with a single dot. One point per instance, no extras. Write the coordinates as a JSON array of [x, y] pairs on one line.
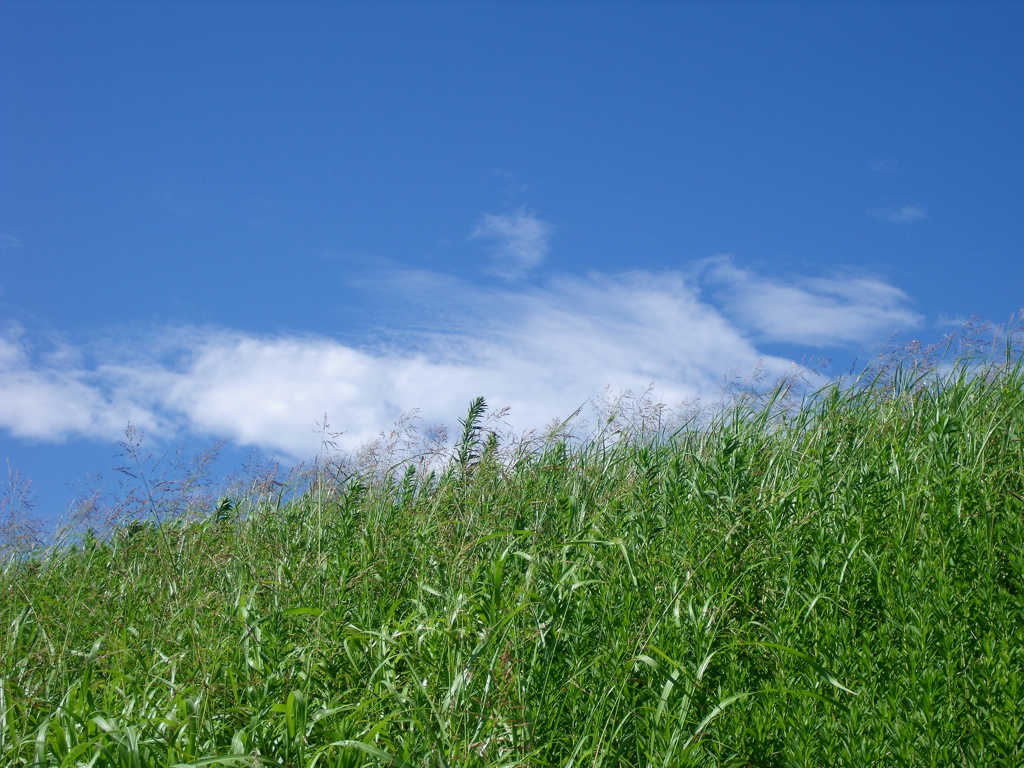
[[222, 220]]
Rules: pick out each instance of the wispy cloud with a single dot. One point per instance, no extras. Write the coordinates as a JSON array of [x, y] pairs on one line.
[[908, 214], [543, 350], [172, 201], [519, 240], [885, 165], [813, 311], [945, 320]]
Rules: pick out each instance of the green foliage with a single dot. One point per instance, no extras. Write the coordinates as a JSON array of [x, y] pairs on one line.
[[839, 584], [468, 449]]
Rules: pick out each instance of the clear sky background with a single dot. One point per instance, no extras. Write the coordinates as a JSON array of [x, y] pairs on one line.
[[224, 219]]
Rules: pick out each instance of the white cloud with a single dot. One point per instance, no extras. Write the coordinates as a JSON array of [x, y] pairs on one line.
[[541, 350], [519, 240], [57, 399], [908, 214], [812, 311]]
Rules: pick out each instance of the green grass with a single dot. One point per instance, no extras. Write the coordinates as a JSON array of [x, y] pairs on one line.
[[839, 583]]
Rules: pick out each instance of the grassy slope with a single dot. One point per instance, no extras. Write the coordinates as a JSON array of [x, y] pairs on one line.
[[701, 601]]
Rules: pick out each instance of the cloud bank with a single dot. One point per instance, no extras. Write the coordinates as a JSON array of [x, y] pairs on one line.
[[542, 350]]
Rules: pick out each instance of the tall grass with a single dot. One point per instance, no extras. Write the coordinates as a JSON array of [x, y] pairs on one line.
[[835, 584]]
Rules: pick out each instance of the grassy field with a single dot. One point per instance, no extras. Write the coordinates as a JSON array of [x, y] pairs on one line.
[[835, 583]]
